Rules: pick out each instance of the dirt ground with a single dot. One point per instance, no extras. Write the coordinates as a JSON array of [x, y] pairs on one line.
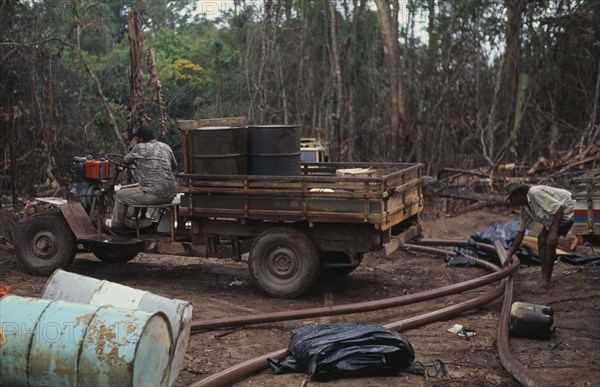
[[220, 288]]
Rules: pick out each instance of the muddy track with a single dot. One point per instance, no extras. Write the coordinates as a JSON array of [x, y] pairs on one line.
[[220, 288]]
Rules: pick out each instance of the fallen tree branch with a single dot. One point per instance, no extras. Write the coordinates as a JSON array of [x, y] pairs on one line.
[[473, 196], [472, 207], [464, 172]]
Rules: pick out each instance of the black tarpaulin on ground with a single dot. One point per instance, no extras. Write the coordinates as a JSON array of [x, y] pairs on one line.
[[574, 259], [505, 233], [337, 350], [461, 258]]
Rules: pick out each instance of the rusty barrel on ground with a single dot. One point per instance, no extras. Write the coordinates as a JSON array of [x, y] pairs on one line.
[[60, 343], [274, 150], [218, 150], [63, 285]]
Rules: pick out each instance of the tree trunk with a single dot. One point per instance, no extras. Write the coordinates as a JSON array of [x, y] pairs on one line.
[[487, 136], [337, 76], [589, 136], [137, 104], [303, 105], [388, 24], [159, 100], [355, 150], [511, 69], [104, 101], [49, 132]]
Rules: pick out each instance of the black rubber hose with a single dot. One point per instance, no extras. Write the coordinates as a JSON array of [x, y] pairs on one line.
[[259, 363], [509, 362], [362, 306]]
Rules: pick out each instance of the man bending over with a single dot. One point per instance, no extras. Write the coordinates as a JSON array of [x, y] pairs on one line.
[[553, 209]]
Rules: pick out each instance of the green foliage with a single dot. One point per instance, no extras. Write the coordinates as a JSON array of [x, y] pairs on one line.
[[161, 14], [169, 45], [273, 61], [97, 25]]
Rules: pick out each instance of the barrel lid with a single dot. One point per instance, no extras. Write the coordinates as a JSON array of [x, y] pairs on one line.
[[154, 352], [273, 126], [219, 128]]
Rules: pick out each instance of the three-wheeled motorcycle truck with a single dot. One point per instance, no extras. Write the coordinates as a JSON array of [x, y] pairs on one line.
[[294, 227]]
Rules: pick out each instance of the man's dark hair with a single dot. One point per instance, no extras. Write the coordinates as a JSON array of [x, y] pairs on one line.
[[520, 190], [145, 131]]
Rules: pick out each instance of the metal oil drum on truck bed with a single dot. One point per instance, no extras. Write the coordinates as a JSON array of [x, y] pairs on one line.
[[274, 150], [60, 343], [217, 150]]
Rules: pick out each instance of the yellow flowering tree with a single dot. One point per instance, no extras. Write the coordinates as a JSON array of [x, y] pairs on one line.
[[185, 72]]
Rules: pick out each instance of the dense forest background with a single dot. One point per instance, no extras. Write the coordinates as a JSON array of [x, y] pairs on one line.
[[455, 83]]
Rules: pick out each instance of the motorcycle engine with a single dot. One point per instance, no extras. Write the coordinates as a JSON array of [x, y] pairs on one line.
[[87, 182]]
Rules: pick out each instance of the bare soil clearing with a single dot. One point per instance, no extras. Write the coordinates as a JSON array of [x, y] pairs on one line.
[[220, 288]]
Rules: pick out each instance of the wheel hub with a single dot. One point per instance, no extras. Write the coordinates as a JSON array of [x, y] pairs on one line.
[[283, 263], [45, 245]]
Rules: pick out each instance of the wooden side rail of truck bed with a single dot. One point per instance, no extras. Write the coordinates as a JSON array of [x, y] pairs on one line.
[[383, 194]]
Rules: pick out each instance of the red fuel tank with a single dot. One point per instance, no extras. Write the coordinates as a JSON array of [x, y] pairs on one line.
[[97, 169]]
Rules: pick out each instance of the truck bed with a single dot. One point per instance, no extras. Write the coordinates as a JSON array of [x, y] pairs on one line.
[[382, 194]]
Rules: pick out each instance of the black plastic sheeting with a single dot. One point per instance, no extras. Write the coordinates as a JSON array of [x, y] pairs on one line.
[[337, 350], [574, 259], [505, 233]]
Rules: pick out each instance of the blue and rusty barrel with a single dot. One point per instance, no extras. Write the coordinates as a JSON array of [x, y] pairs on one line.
[[101, 292], [60, 343], [274, 150], [218, 150]]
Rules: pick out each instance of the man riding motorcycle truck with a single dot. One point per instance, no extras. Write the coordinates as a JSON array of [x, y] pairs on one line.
[[155, 164]]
